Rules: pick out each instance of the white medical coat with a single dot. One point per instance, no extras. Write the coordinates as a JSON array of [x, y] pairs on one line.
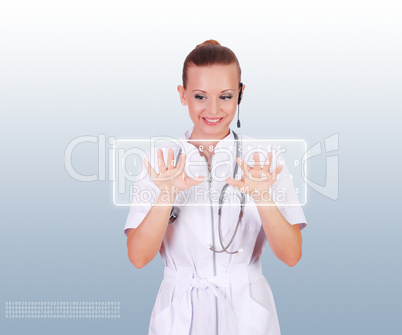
[[205, 292]]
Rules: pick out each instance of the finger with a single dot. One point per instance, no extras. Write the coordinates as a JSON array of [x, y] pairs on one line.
[[180, 164], [149, 169], [239, 184], [161, 161], [170, 159], [267, 163], [192, 181], [257, 163], [243, 165], [277, 171], [178, 170], [247, 170]]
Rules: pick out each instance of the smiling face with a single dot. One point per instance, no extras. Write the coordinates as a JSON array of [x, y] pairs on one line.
[[211, 96]]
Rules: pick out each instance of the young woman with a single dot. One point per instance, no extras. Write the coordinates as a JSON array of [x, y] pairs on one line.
[[212, 285]]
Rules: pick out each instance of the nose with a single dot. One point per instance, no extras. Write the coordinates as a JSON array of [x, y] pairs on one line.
[[214, 107]]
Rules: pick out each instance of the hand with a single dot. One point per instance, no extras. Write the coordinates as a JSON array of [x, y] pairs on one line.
[[256, 181], [170, 178]]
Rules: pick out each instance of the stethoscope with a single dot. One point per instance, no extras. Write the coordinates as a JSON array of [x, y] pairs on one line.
[[174, 212]]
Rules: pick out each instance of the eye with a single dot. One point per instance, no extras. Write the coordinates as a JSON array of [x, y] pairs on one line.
[[199, 97], [226, 97]]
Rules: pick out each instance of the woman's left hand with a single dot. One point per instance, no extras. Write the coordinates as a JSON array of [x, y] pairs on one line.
[[257, 180]]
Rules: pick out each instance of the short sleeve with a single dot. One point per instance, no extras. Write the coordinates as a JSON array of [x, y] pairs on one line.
[[286, 197], [144, 193]]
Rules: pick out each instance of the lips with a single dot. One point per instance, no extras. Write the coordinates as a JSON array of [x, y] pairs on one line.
[[212, 121]]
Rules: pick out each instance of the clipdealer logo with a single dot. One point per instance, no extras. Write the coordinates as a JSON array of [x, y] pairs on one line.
[[107, 169], [330, 189]]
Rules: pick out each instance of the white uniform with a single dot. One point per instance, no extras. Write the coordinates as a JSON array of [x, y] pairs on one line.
[[204, 292]]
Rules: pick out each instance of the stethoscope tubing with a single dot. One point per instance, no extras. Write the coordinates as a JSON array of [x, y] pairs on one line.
[[174, 212]]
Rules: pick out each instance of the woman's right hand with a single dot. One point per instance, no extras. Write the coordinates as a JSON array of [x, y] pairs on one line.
[[171, 178]]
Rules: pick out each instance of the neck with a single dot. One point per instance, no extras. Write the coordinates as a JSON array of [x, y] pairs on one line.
[[206, 146], [197, 140]]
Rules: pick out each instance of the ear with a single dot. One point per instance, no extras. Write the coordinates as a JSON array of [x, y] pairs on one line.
[[182, 93], [244, 87]]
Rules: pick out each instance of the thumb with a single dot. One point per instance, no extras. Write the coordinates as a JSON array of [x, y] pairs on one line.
[[233, 182], [194, 180]]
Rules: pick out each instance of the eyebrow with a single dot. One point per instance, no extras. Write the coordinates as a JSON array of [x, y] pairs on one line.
[[229, 89]]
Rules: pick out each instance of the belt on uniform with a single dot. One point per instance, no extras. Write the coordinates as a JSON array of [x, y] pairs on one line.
[[185, 280]]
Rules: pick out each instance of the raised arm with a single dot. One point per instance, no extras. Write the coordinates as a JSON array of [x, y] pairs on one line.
[[144, 242], [284, 238]]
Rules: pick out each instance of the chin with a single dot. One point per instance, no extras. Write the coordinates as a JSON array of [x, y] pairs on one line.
[[215, 129]]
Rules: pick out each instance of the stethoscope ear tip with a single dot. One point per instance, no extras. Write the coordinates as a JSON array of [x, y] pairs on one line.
[[240, 250]]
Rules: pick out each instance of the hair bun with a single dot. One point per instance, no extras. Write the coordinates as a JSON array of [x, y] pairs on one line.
[[209, 42]]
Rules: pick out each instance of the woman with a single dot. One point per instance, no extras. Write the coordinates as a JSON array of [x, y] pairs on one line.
[[212, 286]]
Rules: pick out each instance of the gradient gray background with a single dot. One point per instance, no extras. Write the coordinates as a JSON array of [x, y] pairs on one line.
[[312, 69]]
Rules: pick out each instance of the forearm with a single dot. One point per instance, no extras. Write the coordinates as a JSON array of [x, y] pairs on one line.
[[144, 242], [284, 238]]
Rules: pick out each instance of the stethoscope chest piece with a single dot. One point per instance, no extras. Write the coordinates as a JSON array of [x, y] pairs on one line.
[[174, 213]]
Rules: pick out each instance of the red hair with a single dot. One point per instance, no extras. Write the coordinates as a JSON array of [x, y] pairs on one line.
[[208, 53]]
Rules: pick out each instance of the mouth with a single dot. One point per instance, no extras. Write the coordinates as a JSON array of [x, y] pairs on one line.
[[212, 121]]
